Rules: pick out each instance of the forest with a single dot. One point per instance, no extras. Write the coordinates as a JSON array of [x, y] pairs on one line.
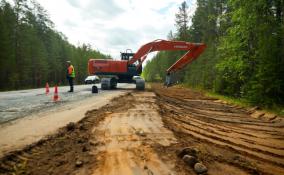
[[32, 52], [244, 58]]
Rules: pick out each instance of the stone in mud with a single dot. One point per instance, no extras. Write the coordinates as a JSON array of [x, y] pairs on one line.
[[141, 133], [189, 160], [199, 168], [79, 163], [188, 151]]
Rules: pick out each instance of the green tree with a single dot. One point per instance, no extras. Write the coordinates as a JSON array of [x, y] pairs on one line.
[[251, 52], [182, 20], [244, 57], [32, 52]]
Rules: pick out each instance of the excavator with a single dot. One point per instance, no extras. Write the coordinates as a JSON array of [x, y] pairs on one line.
[[112, 72]]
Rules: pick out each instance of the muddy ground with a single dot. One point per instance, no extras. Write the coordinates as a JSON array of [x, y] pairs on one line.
[[144, 132]]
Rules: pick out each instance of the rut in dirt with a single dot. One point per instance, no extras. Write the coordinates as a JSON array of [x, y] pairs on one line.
[[212, 124], [125, 140]]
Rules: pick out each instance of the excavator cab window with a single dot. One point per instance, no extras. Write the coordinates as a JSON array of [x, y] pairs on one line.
[[127, 55]]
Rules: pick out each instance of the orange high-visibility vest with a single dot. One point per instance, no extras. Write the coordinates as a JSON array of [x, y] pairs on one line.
[[71, 71]]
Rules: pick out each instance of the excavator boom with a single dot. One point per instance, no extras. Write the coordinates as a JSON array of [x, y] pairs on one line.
[[193, 51]]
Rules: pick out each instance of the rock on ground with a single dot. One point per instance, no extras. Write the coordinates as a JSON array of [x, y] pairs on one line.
[[199, 168]]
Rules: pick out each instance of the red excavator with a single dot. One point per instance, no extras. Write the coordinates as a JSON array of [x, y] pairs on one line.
[[112, 72]]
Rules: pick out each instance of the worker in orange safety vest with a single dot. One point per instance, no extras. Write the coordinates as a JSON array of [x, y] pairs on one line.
[[70, 75]]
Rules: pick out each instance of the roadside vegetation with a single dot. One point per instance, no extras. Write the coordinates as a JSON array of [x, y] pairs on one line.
[[32, 52], [244, 58]]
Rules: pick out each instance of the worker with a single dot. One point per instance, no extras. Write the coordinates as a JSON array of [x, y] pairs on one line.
[[70, 75], [168, 79]]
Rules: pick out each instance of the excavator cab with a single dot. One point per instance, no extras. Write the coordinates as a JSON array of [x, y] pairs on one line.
[[126, 55]]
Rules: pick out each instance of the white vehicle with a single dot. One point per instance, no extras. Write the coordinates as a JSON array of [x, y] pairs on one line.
[[92, 79], [136, 78]]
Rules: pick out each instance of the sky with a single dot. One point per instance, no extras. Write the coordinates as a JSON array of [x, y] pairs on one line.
[[112, 26]]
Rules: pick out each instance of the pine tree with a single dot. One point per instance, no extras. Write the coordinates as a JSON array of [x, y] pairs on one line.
[[32, 52], [182, 20]]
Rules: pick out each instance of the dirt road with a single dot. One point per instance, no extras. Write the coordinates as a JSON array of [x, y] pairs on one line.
[[144, 133], [126, 137]]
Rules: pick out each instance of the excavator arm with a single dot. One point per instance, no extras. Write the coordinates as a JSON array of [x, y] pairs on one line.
[[193, 51]]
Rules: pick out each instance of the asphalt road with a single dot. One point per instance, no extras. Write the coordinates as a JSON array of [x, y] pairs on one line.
[[29, 115], [18, 104]]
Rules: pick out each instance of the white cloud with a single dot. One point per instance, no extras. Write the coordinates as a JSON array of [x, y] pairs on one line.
[[114, 25]]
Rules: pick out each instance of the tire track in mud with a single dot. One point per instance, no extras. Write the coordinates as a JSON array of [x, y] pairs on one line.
[[258, 153], [224, 126], [227, 132], [125, 140], [225, 117], [231, 132], [224, 134]]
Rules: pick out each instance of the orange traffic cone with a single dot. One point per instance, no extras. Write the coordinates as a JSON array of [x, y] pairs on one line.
[[55, 96], [47, 89]]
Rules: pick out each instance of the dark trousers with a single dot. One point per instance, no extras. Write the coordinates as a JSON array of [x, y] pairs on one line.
[[71, 84]]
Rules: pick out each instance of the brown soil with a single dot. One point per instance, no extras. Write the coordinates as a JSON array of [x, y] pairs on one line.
[[126, 139], [229, 140], [143, 133]]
